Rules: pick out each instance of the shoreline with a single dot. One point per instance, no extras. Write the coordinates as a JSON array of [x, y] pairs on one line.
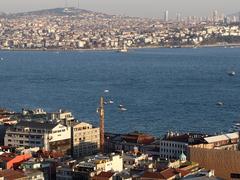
[[235, 45]]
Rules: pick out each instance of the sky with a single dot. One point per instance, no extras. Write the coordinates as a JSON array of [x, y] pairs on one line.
[[141, 8]]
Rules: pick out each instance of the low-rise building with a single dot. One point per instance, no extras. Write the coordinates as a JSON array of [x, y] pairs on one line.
[[94, 165]]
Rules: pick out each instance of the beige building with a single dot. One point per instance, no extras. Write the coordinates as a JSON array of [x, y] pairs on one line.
[[85, 139], [65, 117]]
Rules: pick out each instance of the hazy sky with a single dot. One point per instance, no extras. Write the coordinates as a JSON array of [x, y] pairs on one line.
[[143, 8]]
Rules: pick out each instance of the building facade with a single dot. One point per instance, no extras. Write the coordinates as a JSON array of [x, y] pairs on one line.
[[45, 135], [85, 139]]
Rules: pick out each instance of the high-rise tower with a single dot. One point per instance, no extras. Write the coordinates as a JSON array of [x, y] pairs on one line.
[[166, 16]]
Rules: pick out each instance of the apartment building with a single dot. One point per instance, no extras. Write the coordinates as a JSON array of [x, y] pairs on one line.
[[173, 144], [49, 136], [85, 139]]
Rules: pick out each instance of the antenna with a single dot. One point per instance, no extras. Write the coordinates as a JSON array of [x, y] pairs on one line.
[[78, 4]]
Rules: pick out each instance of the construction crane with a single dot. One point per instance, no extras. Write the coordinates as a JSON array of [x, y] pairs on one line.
[[100, 111]]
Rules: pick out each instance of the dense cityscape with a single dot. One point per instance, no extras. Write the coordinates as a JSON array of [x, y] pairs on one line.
[[35, 144], [72, 28], [54, 145]]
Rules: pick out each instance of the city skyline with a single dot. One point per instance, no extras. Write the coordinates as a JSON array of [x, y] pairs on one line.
[[150, 8]]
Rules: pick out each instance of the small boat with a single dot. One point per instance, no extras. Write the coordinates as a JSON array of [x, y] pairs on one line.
[[105, 102], [232, 73], [120, 106], [106, 91], [122, 109], [220, 103], [110, 102], [1, 59], [237, 124], [123, 49]]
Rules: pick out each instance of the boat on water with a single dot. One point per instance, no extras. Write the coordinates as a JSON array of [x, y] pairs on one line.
[[123, 49], [231, 73], [106, 91], [219, 103], [1, 59], [122, 109], [110, 101]]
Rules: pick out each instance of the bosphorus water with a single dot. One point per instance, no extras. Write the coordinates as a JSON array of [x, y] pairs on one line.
[[162, 89]]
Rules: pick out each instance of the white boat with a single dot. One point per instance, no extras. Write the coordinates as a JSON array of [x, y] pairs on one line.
[[237, 124], [122, 109], [106, 91], [120, 106], [220, 103], [1, 59], [232, 73], [110, 102], [123, 49]]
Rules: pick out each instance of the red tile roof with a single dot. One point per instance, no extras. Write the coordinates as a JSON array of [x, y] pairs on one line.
[[153, 175], [138, 138], [183, 172], [11, 174], [105, 174], [168, 173]]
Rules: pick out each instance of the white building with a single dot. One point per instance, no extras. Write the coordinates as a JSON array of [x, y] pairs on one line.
[[99, 163], [45, 135]]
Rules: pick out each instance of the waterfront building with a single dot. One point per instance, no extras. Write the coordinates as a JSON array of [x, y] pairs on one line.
[[85, 139], [63, 116], [49, 136], [127, 142], [173, 144]]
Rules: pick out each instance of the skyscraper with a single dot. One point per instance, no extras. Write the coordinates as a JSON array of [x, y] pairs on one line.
[[178, 17], [166, 16], [215, 16]]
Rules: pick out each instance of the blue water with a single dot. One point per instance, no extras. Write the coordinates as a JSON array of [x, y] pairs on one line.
[[163, 89]]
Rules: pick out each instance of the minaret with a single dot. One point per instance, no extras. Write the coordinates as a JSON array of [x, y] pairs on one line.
[[101, 116]]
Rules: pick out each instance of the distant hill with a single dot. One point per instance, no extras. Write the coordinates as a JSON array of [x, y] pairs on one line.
[[58, 12]]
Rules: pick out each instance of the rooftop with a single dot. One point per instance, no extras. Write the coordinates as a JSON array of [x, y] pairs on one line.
[[36, 125], [223, 137], [9, 174]]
